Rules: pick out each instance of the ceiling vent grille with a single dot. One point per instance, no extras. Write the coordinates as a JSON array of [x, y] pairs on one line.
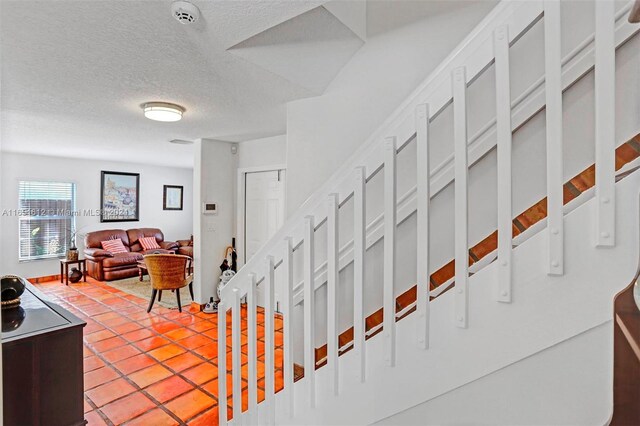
[[185, 12]]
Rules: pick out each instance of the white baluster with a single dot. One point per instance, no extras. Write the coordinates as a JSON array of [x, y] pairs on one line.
[[423, 198], [309, 311], [222, 363], [269, 347], [252, 357], [359, 232], [332, 291], [236, 358], [461, 197], [390, 201], [605, 101], [503, 133], [287, 265], [553, 91]]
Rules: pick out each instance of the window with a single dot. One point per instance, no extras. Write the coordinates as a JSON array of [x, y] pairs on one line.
[[46, 218]]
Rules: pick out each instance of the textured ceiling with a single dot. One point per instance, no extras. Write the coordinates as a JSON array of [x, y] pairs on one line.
[[74, 73], [308, 50]]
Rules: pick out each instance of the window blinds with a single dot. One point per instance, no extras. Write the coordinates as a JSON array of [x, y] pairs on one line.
[[46, 218]]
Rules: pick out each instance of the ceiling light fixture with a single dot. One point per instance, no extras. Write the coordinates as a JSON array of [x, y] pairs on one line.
[[163, 111], [180, 142]]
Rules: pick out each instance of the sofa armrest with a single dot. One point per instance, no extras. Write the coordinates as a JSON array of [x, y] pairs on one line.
[[97, 253], [169, 245], [184, 243]]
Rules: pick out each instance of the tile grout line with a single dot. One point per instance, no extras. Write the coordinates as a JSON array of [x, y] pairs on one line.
[[135, 385], [94, 299]]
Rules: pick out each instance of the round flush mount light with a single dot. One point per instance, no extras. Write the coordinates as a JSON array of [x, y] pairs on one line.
[[181, 142], [162, 111]]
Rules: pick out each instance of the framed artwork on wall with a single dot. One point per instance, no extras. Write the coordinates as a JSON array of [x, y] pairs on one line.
[[172, 197], [119, 197]]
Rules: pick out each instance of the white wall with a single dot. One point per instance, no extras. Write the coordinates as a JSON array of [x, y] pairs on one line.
[[213, 181], [567, 384], [86, 175], [323, 131], [262, 152]]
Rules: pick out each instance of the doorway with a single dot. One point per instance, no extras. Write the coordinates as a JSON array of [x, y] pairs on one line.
[[262, 208]]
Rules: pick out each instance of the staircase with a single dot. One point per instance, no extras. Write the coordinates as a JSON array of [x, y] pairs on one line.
[[576, 192], [542, 278]]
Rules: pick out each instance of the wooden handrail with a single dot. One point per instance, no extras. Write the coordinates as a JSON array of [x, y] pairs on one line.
[[626, 358], [634, 15]]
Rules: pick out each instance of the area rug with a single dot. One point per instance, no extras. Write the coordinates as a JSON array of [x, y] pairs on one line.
[[143, 289]]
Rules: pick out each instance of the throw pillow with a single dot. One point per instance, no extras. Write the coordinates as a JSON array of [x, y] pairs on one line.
[[149, 243], [114, 246]]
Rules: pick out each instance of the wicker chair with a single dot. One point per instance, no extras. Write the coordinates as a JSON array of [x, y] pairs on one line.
[[168, 272]]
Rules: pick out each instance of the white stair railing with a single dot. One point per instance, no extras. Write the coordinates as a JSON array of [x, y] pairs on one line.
[[359, 245], [504, 139], [423, 199], [605, 69], [489, 42], [553, 94], [461, 201], [390, 259]]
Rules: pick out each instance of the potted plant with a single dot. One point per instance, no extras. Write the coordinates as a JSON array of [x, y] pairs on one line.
[[72, 250]]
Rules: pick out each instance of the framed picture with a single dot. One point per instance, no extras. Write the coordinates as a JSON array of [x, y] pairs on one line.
[[172, 197], [119, 197]]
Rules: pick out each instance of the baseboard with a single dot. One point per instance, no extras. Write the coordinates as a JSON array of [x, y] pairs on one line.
[[46, 278], [198, 306]]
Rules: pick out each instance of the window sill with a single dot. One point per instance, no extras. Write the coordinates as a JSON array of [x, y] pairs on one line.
[[39, 259]]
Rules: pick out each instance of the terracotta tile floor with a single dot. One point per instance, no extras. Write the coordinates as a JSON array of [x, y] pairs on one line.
[[152, 369]]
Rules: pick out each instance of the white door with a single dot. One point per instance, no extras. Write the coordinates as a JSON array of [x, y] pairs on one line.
[[264, 208]]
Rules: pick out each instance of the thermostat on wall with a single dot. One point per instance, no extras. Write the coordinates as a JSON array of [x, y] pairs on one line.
[[209, 208]]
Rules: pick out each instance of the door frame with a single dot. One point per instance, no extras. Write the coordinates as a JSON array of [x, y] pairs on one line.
[[241, 203]]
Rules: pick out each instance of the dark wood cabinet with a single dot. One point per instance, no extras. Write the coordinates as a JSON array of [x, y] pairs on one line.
[[42, 363]]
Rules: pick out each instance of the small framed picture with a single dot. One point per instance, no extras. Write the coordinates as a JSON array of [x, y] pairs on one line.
[[119, 197], [172, 197]]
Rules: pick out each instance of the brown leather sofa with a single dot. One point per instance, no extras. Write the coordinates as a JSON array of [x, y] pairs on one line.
[[186, 247], [105, 266]]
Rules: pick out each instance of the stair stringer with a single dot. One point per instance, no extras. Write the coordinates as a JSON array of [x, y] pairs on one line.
[[545, 311]]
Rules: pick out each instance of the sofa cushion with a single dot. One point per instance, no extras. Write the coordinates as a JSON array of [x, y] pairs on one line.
[[93, 239], [186, 251], [137, 233], [95, 253], [149, 243], [169, 245], [114, 246], [121, 259]]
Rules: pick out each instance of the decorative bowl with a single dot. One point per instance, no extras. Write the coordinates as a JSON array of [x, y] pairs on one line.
[[11, 288]]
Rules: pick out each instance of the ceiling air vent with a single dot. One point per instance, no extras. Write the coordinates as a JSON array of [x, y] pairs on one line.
[[185, 12]]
